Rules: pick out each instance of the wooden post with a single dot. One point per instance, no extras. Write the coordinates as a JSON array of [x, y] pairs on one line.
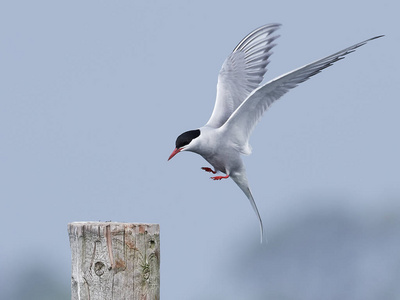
[[113, 261]]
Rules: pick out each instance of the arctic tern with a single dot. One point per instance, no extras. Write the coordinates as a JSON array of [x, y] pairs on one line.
[[240, 103]]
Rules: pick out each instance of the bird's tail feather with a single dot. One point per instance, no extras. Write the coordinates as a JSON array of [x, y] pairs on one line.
[[241, 181]]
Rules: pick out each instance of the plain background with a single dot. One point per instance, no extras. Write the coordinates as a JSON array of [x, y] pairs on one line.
[[94, 93]]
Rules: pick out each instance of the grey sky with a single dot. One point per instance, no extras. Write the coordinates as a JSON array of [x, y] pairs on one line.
[[94, 93]]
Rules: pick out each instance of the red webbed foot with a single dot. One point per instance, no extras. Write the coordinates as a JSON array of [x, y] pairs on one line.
[[219, 177], [208, 170]]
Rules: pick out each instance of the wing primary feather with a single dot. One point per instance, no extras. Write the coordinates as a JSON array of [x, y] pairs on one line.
[[259, 57], [260, 45], [257, 65], [266, 29], [262, 52]]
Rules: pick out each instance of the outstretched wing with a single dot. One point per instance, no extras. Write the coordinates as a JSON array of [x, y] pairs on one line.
[[242, 72], [240, 125]]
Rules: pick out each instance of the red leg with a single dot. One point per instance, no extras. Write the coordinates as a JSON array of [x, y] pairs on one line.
[[219, 177], [208, 170]]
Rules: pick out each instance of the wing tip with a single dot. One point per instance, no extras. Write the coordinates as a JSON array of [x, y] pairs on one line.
[[376, 37], [267, 29]]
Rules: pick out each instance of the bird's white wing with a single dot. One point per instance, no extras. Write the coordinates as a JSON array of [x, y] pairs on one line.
[[242, 72], [240, 125]]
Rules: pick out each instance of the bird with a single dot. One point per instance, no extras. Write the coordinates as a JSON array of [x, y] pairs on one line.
[[240, 103]]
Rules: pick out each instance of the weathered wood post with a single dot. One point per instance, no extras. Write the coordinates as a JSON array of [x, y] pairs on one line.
[[115, 261]]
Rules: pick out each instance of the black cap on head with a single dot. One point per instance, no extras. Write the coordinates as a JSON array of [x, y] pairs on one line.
[[186, 137]]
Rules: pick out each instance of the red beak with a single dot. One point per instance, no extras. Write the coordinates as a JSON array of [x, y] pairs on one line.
[[175, 152]]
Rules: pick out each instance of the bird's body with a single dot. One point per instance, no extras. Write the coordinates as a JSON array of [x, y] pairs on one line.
[[219, 151], [241, 102]]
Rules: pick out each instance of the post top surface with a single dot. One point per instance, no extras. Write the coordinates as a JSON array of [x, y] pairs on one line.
[[109, 223]]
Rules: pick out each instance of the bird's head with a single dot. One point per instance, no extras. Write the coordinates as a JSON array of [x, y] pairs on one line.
[[185, 142]]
